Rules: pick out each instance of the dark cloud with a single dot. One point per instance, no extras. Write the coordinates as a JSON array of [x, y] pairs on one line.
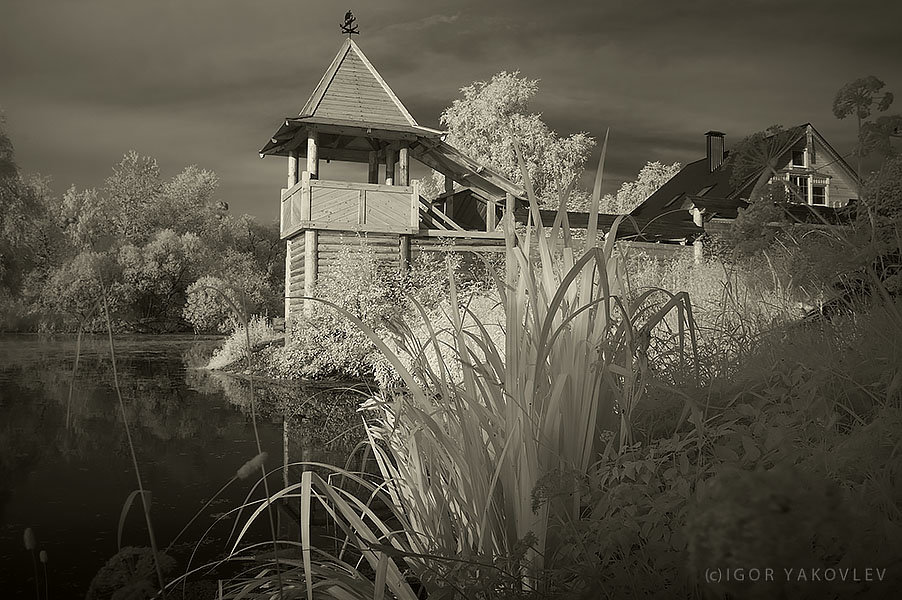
[[207, 81]]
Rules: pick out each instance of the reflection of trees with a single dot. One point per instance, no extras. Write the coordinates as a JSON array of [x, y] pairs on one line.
[[188, 426], [320, 420], [35, 402], [166, 399]]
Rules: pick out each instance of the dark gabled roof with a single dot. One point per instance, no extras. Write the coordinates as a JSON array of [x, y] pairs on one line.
[[691, 179], [696, 186]]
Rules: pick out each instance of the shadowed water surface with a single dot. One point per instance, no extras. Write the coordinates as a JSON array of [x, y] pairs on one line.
[[65, 468]]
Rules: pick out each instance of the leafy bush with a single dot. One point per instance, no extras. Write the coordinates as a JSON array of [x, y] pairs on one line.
[[259, 330], [237, 284], [153, 277], [324, 343], [72, 294]]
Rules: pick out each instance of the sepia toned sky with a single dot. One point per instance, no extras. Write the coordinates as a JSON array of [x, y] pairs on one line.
[[207, 82]]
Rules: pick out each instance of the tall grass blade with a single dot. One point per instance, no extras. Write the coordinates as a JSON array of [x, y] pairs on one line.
[[126, 507], [131, 446]]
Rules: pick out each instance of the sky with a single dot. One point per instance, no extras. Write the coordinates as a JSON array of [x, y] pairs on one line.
[[207, 82]]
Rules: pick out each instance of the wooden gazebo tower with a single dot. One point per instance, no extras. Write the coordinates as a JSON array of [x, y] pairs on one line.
[[354, 116]]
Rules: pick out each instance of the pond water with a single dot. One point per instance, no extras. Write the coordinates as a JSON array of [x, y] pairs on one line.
[[66, 469]]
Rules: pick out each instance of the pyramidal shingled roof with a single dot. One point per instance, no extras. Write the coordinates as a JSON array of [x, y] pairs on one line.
[[352, 90]]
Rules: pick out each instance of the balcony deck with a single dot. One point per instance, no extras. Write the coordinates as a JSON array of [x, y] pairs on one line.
[[347, 206]]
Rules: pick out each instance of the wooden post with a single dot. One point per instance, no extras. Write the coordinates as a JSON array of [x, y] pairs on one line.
[[404, 241], [292, 167], [292, 180], [403, 166], [697, 244], [389, 166], [415, 207], [310, 265], [490, 216], [449, 203], [285, 206], [305, 197], [510, 240], [373, 174], [287, 292], [312, 157]]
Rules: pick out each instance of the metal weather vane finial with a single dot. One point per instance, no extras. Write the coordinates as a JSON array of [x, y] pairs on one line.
[[349, 27]]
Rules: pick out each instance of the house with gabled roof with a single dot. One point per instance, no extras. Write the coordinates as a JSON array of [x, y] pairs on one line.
[[704, 194]]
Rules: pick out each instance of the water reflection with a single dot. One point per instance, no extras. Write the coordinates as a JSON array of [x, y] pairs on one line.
[[65, 468]]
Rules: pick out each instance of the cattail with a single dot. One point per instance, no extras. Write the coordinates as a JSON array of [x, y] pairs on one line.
[[252, 465], [31, 542], [43, 557]]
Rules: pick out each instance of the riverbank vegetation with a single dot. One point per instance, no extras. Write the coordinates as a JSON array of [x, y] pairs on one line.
[[619, 439], [142, 241]]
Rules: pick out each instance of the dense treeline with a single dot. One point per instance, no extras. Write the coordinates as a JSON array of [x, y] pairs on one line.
[[153, 247]]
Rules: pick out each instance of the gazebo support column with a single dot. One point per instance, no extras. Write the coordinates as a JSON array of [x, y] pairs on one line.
[[373, 167], [292, 180], [449, 203], [310, 267], [403, 166], [404, 179], [389, 166]]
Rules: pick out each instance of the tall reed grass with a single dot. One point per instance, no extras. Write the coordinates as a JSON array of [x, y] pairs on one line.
[[460, 454]]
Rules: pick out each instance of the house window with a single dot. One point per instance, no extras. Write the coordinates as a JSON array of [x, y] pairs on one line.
[[672, 200], [799, 158], [811, 189], [800, 183]]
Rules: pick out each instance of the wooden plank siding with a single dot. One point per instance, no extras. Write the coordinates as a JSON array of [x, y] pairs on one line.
[[343, 206], [296, 275], [334, 205], [387, 248], [841, 188]]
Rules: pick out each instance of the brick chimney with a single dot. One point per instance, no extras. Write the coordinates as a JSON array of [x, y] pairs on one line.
[[715, 149]]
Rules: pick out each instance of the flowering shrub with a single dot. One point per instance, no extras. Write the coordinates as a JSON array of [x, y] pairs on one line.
[[324, 343], [233, 350]]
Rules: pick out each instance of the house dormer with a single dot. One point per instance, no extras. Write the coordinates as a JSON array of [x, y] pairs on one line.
[[816, 174]]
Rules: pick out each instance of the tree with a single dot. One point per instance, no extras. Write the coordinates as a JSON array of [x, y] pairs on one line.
[[187, 203], [877, 136], [483, 122], [860, 97], [73, 291], [28, 237], [632, 193], [130, 195], [140, 236], [154, 276]]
